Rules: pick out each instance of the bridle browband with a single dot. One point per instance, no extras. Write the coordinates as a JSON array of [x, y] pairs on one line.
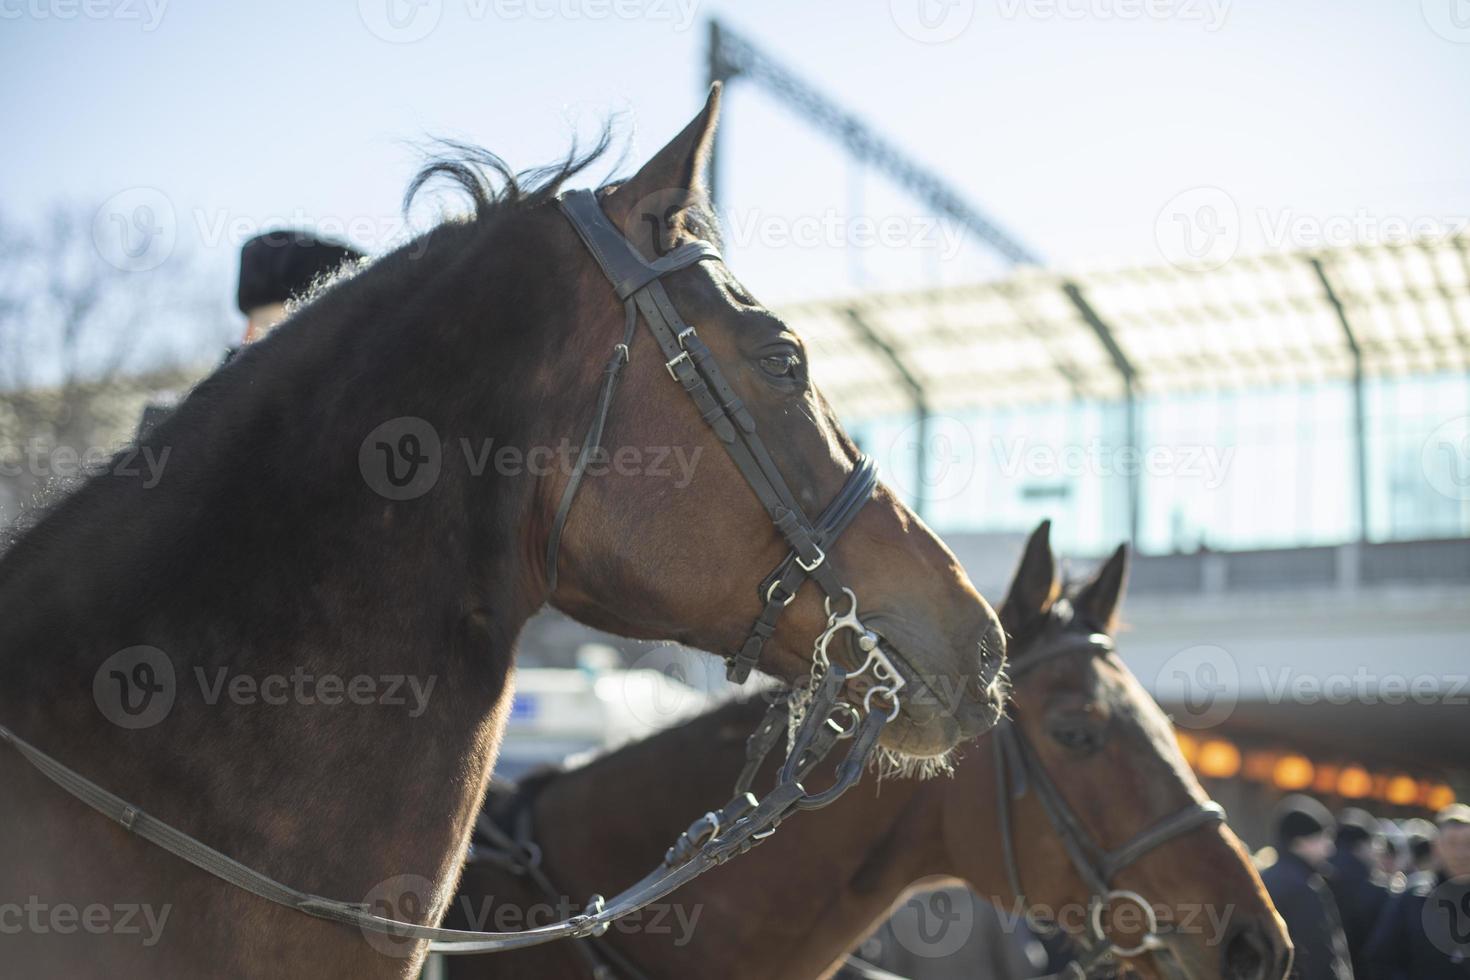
[[638, 284], [1018, 768]]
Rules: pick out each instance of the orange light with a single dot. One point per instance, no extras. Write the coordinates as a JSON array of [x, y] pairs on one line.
[[1218, 759], [1293, 772], [1188, 746], [1354, 783], [1402, 790], [1440, 797], [1258, 766], [1326, 781]]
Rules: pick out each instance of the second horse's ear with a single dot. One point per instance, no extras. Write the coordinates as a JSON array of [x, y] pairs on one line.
[[652, 208], [1035, 586], [1100, 598]]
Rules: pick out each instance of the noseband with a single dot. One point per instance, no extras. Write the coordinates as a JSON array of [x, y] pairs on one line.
[[638, 283], [1018, 768]]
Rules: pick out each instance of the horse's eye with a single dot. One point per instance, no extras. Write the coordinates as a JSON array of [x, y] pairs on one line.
[[780, 365], [1082, 738]]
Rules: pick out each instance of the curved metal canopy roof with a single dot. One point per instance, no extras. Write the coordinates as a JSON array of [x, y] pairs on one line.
[[1041, 336]]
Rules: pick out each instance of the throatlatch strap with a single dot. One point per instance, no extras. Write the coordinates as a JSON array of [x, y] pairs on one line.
[[592, 443]]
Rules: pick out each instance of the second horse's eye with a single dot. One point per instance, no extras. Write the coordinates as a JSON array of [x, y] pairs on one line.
[[779, 365]]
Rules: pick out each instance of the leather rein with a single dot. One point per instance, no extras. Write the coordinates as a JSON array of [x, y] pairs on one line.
[[1018, 769], [824, 718]]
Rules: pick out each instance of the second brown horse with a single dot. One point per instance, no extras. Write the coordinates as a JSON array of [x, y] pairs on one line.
[[795, 906]]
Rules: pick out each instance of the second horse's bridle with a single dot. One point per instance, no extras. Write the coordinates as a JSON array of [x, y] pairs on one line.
[[1018, 768], [638, 283]]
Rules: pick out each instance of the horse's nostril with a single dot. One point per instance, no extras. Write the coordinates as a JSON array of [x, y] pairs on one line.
[[1251, 955]]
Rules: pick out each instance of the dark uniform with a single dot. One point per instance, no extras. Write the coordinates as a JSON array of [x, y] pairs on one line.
[[1357, 887], [1301, 895], [1424, 932]]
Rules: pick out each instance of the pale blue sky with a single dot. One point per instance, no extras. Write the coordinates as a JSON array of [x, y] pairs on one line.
[[1074, 122]]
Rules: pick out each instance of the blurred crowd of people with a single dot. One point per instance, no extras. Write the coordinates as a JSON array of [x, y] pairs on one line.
[[1372, 899]]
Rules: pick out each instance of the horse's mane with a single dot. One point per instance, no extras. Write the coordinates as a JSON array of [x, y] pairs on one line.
[[493, 190], [491, 185]]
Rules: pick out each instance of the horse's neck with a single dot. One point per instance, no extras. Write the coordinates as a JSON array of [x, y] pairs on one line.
[[258, 593], [788, 908]]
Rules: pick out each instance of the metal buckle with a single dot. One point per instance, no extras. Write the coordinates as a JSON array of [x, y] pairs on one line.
[[669, 364], [1150, 939], [686, 332], [821, 557], [771, 592]]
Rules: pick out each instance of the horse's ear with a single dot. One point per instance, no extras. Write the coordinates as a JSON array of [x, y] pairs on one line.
[[653, 206], [1035, 586], [1099, 598]]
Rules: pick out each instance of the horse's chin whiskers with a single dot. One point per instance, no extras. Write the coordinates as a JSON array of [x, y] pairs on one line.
[[889, 763]]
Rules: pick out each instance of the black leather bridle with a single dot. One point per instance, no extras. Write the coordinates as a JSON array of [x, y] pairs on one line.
[[822, 716], [1018, 768], [638, 283]]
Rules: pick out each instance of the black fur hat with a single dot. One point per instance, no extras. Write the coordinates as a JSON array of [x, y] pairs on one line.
[[278, 265]]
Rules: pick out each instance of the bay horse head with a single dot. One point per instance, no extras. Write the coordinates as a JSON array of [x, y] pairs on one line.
[[1138, 859], [720, 382]]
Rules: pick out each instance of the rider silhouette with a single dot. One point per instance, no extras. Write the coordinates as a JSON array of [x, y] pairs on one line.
[[275, 267]]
